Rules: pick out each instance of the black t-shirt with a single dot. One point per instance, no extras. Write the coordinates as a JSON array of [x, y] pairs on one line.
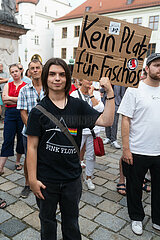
[[57, 159]]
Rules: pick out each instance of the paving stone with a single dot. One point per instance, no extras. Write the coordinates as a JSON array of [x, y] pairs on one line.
[[123, 201], [109, 159], [114, 196], [90, 198], [15, 191], [156, 238], [7, 172], [147, 210], [81, 204], [7, 186], [106, 175], [9, 198], [108, 149], [100, 190], [113, 165], [84, 238], [113, 171], [99, 181], [14, 177], [115, 156], [100, 166], [2, 237], [86, 226], [89, 212], [21, 181], [33, 220], [123, 213], [10, 165], [148, 200], [30, 200], [109, 206], [19, 209], [4, 215], [101, 160], [104, 234], [2, 180], [109, 221], [149, 228], [28, 234], [127, 232], [12, 227], [111, 185]]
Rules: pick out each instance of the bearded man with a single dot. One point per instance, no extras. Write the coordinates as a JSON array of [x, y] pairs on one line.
[[140, 109]]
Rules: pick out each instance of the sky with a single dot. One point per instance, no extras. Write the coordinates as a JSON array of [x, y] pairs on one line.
[[76, 3]]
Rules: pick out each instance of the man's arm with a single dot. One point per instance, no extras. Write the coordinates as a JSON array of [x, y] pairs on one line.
[[125, 127], [3, 80], [24, 116], [35, 185], [107, 117]]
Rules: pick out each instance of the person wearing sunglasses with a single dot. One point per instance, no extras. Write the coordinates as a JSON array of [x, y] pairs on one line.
[[23, 77]]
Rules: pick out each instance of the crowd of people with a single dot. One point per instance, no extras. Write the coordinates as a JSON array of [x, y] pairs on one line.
[[53, 120]]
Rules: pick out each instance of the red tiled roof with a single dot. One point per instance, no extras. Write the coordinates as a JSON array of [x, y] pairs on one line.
[[25, 1], [107, 6]]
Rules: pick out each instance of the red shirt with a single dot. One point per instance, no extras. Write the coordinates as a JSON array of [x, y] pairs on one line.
[[13, 92], [73, 88]]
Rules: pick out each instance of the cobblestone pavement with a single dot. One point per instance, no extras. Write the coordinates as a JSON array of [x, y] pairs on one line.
[[103, 212]]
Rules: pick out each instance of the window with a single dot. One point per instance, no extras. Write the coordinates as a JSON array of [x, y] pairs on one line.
[[74, 52], [36, 40], [87, 8], [56, 13], [64, 32], [31, 19], [137, 21], [76, 31], [45, 9], [153, 22], [52, 43], [151, 49], [63, 53]]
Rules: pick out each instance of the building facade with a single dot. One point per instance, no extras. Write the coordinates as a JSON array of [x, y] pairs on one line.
[[37, 16], [142, 12]]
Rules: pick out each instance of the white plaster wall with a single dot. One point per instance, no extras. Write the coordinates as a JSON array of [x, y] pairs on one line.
[[70, 42], [39, 28]]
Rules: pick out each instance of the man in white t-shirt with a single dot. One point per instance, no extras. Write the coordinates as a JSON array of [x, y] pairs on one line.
[[140, 109]]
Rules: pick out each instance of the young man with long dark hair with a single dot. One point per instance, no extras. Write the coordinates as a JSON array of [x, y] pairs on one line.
[[53, 164]]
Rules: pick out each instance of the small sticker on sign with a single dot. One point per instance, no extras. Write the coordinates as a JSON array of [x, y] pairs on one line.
[[114, 28], [132, 63]]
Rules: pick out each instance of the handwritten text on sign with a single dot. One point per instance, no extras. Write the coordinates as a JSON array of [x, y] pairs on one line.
[[113, 48]]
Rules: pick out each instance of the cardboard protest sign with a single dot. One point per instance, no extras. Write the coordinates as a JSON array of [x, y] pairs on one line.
[[113, 48]]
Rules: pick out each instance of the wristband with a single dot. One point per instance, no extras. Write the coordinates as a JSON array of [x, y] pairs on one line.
[[91, 97], [110, 98]]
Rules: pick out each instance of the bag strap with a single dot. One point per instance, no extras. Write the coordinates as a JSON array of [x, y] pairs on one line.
[[80, 97], [60, 125]]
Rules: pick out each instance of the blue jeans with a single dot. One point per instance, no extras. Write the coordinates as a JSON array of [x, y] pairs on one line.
[[13, 126], [68, 196]]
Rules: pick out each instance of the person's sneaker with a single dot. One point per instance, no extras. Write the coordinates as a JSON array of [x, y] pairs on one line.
[[25, 192], [115, 145], [155, 226], [83, 165], [89, 184], [106, 141], [137, 227]]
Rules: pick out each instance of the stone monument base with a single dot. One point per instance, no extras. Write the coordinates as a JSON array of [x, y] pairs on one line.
[[9, 35]]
